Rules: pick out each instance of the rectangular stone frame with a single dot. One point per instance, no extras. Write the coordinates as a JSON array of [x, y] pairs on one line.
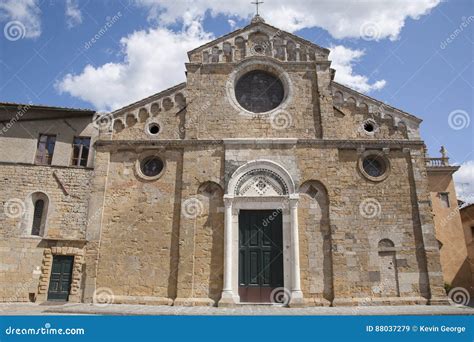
[[291, 274], [75, 292]]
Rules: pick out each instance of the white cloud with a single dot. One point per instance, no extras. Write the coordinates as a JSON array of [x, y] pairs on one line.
[[342, 18], [343, 60], [231, 23], [73, 13], [27, 12], [154, 60], [464, 181]]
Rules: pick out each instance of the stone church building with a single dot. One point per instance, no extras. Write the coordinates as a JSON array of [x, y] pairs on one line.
[[258, 180]]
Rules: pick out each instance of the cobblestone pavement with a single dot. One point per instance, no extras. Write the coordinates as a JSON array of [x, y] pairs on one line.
[[121, 309]]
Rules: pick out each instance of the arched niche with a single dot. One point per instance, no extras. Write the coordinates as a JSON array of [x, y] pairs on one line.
[[240, 49], [316, 239], [291, 51], [389, 284], [209, 236], [338, 98]]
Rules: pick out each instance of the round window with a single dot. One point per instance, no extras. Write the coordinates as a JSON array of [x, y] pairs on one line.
[[369, 126], [259, 91], [153, 128], [151, 166], [374, 166]]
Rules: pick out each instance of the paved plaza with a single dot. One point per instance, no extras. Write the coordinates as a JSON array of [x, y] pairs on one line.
[[245, 310]]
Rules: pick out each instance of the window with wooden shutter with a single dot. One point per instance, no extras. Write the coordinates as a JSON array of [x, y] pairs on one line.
[[80, 153], [45, 150]]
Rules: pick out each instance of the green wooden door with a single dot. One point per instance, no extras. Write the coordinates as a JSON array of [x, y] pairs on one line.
[[60, 281], [260, 254]]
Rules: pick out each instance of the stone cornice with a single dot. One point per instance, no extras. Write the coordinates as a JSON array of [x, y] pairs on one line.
[[290, 142], [448, 169]]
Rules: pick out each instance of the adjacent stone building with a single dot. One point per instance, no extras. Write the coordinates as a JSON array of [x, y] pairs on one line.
[[259, 179], [452, 237], [467, 218]]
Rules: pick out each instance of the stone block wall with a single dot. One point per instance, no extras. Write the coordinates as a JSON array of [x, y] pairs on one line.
[[138, 227], [214, 116], [22, 254]]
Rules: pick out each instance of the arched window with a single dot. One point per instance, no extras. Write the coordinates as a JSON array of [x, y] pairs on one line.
[[37, 217], [37, 211]]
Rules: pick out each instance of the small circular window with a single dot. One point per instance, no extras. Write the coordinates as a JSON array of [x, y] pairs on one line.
[[370, 127], [259, 91], [153, 128], [151, 166], [374, 166]]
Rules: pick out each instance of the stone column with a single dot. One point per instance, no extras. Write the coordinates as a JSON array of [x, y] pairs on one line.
[[228, 298], [296, 294], [97, 207], [427, 245]]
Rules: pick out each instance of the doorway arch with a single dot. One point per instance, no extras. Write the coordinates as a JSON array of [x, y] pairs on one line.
[[261, 185]]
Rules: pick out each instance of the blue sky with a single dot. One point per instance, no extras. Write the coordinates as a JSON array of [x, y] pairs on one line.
[[396, 51]]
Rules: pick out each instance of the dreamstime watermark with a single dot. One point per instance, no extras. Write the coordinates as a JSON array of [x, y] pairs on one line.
[[459, 296], [14, 30], [46, 330], [19, 113], [455, 212], [14, 208], [369, 31], [464, 24], [370, 208], [110, 21], [103, 296], [192, 208], [281, 119], [459, 119], [103, 122], [280, 296]]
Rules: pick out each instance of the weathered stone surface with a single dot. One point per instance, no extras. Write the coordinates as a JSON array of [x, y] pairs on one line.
[[160, 240]]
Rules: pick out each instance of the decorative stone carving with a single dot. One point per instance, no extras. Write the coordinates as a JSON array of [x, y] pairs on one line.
[[261, 182]]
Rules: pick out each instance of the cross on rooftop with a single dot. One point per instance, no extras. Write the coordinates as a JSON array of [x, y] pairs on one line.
[[256, 3]]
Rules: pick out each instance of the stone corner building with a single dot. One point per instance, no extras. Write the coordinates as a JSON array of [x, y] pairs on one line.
[[260, 179]]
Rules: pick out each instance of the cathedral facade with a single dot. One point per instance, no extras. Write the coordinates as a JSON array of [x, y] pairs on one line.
[[258, 180]]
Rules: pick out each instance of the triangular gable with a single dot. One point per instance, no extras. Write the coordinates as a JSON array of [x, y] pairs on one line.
[[278, 39]]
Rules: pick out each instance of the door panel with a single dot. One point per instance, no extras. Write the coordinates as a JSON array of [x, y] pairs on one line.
[[260, 254], [61, 275]]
